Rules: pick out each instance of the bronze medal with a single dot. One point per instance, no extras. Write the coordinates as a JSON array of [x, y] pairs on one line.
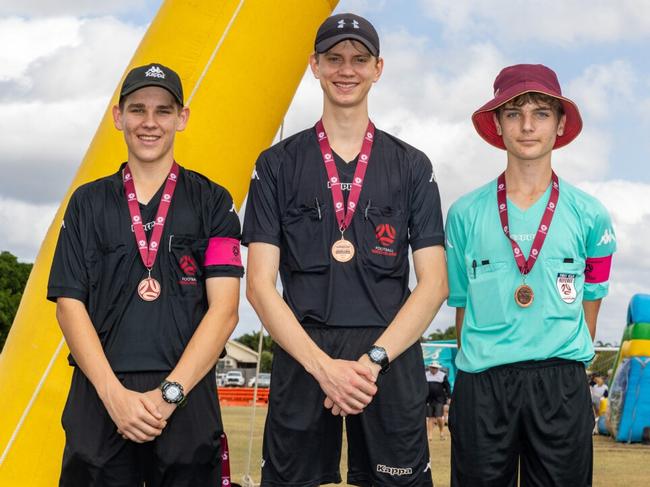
[[524, 295], [149, 289], [342, 250]]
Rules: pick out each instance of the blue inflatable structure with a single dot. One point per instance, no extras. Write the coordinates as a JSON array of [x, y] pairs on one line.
[[629, 393]]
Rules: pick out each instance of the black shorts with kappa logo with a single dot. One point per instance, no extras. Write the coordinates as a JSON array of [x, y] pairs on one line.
[[530, 416], [387, 443], [186, 454]]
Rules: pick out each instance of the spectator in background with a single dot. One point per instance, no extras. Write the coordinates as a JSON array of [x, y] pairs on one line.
[[598, 391], [438, 395]]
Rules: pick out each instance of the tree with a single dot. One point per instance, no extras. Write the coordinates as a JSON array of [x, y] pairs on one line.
[[252, 340], [13, 277], [448, 334]]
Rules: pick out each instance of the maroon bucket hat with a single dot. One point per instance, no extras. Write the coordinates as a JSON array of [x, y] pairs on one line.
[[517, 80]]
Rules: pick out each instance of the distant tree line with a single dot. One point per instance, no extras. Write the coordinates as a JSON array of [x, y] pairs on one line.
[[13, 277], [448, 334]]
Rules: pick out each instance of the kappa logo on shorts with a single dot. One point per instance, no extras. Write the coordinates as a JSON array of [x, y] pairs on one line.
[[385, 235], [566, 287], [394, 471]]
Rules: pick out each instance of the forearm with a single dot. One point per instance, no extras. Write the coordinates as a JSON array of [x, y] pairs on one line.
[[460, 316], [212, 333], [83, 342], [591, 309]]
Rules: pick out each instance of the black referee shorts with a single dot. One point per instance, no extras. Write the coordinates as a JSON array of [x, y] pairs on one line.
[[535, 416], [387, 443], [186, 454]]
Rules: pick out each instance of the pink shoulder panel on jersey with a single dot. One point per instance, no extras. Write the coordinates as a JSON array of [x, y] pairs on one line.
[[597, 269], [223, 251]]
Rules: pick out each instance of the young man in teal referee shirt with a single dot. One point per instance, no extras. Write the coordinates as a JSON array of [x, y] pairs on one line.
[[529, 258]]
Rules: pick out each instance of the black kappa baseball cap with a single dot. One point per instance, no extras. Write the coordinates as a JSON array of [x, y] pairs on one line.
[[341, 27], [154, 74]]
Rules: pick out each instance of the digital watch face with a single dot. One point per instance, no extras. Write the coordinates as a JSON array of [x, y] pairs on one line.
[[172, 392], [376, 354]]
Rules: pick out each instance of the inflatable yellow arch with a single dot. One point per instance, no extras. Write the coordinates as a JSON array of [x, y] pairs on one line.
[[241, 62]]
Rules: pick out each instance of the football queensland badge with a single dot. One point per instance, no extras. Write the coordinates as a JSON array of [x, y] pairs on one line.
[[566, 286]]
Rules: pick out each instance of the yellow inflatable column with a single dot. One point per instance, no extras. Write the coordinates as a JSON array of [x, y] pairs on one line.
[[241, 62]]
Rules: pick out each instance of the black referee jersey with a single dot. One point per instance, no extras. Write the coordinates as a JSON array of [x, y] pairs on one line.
[[97, 262], [290, 206]]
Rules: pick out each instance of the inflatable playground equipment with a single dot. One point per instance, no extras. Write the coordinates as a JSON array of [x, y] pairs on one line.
[[627, 416], [235, 115]]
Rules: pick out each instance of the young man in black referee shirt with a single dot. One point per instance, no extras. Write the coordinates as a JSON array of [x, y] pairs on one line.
[[333, 210], [146, 280]]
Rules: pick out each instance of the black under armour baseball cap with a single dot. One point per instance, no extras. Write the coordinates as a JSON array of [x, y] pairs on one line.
[[341, 27], [154, 74]]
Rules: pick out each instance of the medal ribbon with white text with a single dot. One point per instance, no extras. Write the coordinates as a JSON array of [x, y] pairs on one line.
[[343, 217], [526, 265], [149, 252]]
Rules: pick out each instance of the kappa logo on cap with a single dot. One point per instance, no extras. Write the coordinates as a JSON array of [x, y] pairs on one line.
[[155, 72]]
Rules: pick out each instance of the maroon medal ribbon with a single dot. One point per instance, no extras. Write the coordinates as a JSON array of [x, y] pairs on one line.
[[149, 288], [225, 461], [343, 250], [524, 294]]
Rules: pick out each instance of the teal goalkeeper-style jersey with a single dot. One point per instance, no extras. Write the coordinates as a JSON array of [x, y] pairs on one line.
[[483, 276]]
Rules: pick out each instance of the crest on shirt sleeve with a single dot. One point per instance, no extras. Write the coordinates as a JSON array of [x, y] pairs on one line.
[[566, 287]]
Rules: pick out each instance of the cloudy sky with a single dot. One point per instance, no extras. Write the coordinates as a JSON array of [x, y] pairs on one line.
[[60, 62]]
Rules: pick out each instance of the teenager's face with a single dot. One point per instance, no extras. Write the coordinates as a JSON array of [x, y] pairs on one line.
[[529, 131], [150, 119], [346, 73]]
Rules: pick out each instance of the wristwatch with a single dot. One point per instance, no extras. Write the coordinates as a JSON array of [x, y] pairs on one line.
[[172, 392], [379, 356]]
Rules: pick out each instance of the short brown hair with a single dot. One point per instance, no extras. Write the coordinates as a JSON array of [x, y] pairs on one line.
[[536, 98]]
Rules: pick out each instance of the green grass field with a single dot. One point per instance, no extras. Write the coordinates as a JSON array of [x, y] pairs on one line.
[[615, 464]]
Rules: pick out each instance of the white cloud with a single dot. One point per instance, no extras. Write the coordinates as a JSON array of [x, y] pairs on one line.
[[53, 100], [43, 8], [629, 206], [602, 89], [560, 23], [32, 39], [23, 226]]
